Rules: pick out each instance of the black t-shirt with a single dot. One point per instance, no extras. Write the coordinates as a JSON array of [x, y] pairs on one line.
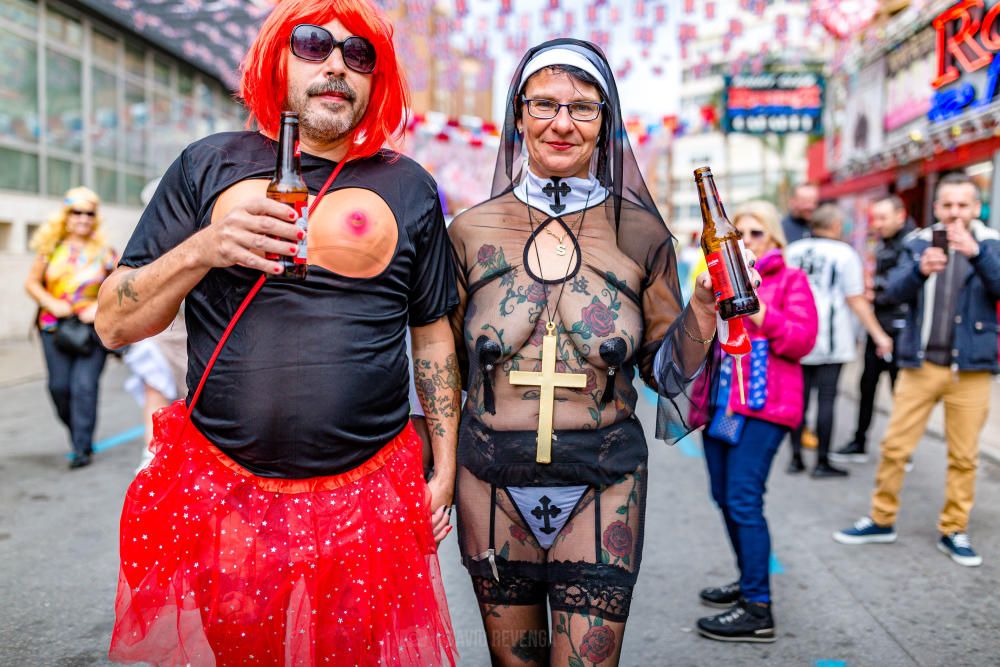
[[314, 378]]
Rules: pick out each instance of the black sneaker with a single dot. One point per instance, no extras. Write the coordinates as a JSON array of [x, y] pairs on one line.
[[852, 452], [722, 597], [824, 470], [746, 622], [795, 465], [79, 461]]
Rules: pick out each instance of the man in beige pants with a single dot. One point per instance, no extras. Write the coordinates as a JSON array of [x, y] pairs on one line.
[[950, 281]]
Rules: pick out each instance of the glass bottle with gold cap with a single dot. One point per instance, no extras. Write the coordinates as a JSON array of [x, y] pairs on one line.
[[723, 247], [288, 188]]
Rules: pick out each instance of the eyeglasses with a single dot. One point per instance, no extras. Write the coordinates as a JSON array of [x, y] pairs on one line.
[[89, 214], [547, 109], [314, 43], [755, 234]]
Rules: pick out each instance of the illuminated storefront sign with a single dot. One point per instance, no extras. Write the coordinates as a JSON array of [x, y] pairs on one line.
[[968, 40], [773, 103]]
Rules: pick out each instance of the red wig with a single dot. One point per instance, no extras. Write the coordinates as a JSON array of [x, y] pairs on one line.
[[264, 86]]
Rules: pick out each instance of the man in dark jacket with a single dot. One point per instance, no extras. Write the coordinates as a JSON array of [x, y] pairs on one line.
[[888, 218], [946, 352], [804, 200]]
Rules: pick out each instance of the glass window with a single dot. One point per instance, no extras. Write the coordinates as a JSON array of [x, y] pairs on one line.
[[165, 138], [133, 187], [135, 60], [61, 175], [106, 184], [62, 29], [982, 174], [105, 47], [161, 71], [20, 171], [19, 97], [136, 124], [185, 81], [104, 114], [21, 12], [64, 115]]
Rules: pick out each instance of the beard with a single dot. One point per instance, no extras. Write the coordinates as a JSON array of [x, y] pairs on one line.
[[319, 122]]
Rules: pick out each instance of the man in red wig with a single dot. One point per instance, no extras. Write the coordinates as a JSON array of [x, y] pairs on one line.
[[284, 519]]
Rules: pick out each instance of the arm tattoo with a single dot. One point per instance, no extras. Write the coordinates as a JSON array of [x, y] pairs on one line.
[[436, 387], [127, 290]]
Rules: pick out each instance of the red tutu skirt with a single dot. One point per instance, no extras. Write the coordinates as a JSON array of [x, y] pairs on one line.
[[221, 567]]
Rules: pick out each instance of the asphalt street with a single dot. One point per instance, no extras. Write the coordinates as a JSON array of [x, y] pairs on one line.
[[836, 606]]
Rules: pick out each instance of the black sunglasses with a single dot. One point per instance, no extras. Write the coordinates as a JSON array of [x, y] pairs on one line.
[[755, 234], [315, 43], [89, 214]]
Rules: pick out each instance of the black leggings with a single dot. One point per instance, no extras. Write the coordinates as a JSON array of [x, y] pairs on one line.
[[823, 378], [874, 367]]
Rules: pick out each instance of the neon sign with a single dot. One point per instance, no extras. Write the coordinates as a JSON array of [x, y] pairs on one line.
[[968, 39], [961, 46]]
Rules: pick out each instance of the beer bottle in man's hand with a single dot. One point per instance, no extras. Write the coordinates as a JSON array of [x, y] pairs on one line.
[[723, 247], [288, 187]]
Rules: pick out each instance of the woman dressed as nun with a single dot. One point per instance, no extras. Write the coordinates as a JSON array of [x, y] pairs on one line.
[[568, 286]]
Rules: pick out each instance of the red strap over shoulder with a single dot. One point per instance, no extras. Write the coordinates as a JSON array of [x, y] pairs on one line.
[[246, 302]]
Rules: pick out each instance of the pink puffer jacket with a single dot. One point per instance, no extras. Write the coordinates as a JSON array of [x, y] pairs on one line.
[[790, 326]]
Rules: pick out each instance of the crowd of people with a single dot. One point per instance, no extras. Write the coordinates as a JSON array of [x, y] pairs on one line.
[[290, 526]]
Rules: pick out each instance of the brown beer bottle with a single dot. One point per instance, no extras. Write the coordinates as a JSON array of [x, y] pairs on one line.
[[723, 247], [288, 187]]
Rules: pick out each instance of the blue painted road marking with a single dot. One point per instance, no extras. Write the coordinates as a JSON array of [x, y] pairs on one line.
[[689, 448], [778, 568], [120, 439], [831, 663]]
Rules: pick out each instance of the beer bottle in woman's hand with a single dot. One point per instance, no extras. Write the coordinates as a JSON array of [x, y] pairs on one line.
[[723, 247]]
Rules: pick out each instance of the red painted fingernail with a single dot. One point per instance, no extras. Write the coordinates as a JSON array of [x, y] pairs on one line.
[[302, 235], [277, 269], [293, 250]]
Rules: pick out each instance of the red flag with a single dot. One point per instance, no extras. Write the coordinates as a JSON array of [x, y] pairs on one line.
[[553, 4], [710, 10], [688, 6], [661, 14]]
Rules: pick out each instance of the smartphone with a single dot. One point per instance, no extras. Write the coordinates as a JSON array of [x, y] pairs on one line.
[[939, 239]]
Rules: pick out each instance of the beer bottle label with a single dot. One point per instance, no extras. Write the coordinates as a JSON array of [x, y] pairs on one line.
[[302, 222], [720, 276]]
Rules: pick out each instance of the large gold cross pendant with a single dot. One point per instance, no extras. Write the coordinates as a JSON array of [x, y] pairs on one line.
[[547, 380]]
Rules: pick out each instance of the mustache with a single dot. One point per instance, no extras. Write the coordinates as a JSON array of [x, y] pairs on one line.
[[332, 86]]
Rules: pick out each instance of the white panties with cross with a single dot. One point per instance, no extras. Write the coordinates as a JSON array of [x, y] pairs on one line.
[[546, 509]]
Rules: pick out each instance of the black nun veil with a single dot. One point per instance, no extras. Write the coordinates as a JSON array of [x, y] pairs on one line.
[[641, 233]]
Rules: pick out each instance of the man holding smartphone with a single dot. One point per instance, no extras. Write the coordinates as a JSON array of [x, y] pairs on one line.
[[946, 352]]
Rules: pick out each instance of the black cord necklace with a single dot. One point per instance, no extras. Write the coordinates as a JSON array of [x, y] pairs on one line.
[[576, 255]]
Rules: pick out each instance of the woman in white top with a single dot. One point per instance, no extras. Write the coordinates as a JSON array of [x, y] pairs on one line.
[[838, 286]]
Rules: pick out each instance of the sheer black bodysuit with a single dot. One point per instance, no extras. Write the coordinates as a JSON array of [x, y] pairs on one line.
[[619, 305]]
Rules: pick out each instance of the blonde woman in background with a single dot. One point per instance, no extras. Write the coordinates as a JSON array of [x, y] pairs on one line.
[[73, 260]]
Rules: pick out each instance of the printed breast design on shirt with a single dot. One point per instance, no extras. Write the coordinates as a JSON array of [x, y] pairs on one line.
[[352, 232]]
